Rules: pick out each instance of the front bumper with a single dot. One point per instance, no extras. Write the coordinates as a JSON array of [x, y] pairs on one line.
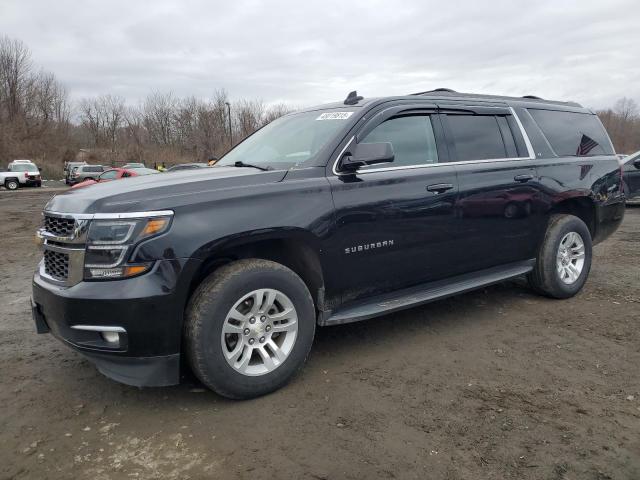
[[147, 310]]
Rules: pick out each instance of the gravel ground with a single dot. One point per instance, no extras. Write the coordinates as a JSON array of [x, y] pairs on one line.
[[495, 384]]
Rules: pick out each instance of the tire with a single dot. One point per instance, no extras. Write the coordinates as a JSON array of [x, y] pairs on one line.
[[553, 274], [11, 184], [39, 184], [210, 309]]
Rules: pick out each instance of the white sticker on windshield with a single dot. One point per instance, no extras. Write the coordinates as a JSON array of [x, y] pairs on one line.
[[334, 116]]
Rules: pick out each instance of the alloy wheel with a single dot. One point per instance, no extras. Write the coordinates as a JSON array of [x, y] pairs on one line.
[[570, 258], [259, 332]]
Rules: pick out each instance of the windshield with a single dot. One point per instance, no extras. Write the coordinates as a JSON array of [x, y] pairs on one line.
[[24, 167], [288, 141]]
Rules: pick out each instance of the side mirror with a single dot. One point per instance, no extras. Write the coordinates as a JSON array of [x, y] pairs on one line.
[[368, 154], [636, 163]]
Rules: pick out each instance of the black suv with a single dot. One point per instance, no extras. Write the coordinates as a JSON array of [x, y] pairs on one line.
[[330, 215]]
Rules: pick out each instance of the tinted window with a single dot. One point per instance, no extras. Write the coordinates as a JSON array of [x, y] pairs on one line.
[[571, 133], [412, 138], [477, 137], [91, 169]]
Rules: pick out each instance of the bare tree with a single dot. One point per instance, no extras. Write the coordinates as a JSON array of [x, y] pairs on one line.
[[103, 117], [276, 111], [159, 113], [15, 75]]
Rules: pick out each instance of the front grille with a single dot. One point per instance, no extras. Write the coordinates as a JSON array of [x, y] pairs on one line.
[[56, 264], [61, 227]]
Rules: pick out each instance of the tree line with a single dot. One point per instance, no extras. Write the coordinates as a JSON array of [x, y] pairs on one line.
[[623, 125], [39, 121]]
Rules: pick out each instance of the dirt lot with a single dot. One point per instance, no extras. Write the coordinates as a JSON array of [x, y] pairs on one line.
[[496, 384]]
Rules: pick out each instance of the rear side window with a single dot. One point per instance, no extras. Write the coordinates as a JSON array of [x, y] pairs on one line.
[[412, 138], [92, 169], [573, 134], [477, 137]]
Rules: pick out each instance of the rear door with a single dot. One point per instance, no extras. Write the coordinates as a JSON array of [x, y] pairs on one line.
[[393, 220], [497, 206]]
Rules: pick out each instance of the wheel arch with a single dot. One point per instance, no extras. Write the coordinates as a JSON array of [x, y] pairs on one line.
[[296, 249], [582, 207]]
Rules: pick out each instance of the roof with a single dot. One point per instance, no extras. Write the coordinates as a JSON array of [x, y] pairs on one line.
[[441, 93], [447, 93]]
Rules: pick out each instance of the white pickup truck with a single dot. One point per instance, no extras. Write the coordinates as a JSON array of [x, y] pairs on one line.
[[21, 173]]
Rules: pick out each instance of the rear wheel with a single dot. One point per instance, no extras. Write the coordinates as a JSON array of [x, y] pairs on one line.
[[249, 327], [564, 259], [11, 184]]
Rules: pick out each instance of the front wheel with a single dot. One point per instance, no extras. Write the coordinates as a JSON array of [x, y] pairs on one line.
[[249, 327], [564, 259], [11, 184]]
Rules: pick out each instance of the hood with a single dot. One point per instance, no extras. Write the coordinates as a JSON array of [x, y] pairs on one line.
[[160, 191]]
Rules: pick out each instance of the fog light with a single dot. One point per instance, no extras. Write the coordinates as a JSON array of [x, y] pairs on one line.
[[111, 337]]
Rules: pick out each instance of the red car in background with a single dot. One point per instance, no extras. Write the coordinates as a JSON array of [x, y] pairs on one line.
[[116, 174]]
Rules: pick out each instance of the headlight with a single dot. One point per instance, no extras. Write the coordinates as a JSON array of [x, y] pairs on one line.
[[111, 242]]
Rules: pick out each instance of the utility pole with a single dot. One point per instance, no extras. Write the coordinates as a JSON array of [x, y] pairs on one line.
[[229, 120]]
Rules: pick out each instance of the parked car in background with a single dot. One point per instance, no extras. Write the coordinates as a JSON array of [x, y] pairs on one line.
[[85, 172], [134, 165], [631, 176], [116, 174], [68, 170], [187, 166], [21, 174]]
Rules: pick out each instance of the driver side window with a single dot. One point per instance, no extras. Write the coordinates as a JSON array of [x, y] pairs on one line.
[[412, 138], [109, 175]]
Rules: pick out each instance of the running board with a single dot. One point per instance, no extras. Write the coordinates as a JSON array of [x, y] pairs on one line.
[[425, 293]]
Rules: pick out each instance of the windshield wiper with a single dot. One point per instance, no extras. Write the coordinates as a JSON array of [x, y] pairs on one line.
[[242, 164]]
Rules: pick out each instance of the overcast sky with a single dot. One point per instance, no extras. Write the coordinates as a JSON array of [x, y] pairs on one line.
[[304, 52]]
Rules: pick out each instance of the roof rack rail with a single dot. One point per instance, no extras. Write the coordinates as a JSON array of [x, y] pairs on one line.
[[436, 90], [533, 97], [353, 98]]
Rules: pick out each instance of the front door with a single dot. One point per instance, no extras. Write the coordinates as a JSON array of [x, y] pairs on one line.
[[392, 220]]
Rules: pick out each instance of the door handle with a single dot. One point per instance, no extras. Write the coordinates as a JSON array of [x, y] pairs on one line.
[[523, 178], [440, 187]]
